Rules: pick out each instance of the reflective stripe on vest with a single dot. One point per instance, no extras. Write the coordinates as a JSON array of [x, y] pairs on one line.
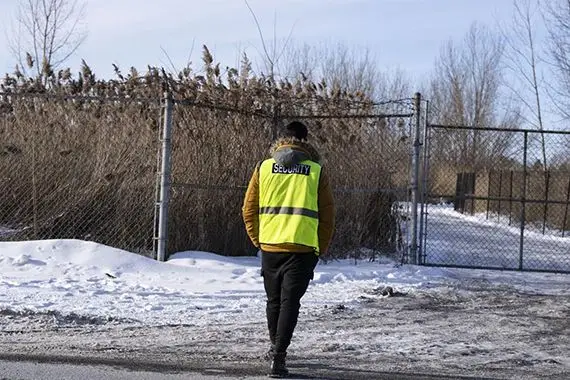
[[288, 203]]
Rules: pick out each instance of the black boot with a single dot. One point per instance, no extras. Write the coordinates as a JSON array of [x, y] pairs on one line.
[[278, 367]]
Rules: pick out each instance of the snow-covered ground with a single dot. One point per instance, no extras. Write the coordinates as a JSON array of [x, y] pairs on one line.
[[82, 298], [465, 240]]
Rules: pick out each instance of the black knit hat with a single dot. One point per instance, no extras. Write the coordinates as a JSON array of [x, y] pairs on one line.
[[296, 129]]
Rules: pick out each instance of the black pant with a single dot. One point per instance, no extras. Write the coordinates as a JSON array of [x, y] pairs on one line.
[[286, 277]]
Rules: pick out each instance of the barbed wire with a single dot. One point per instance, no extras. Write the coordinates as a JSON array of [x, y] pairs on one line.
[[234, 109], [92, 98]]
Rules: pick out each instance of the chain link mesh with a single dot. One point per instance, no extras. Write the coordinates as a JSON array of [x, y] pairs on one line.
[[368, 161], [79, 168], [366, 155], [497, 204], [213, 156], [85, 168]]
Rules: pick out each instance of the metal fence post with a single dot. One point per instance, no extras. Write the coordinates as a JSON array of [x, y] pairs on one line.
[[523, 201], [424, 190], [165, 175], [415, 180]]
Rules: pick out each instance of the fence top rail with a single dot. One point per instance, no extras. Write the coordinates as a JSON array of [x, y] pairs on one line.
[[353, 116], [473, 128]]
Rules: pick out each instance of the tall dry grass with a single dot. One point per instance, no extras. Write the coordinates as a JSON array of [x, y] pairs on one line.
[[79, 157], [74, 170]]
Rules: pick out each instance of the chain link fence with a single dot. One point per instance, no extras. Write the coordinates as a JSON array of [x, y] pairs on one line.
[[213, 153], [497, 198], [92, 168], [365, 151], [78, 168]]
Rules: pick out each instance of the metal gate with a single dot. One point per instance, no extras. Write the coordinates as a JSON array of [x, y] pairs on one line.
[[495, 198], [209, 152]]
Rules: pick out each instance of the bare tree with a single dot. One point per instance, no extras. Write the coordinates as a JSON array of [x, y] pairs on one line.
[[343, 68], [46, 33], [349, 68], [522, 58], [465, 91], [301, 60], [557, 18], [336, 66], [273, 52]]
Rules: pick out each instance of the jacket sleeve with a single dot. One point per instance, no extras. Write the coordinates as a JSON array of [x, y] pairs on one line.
[[326, 213], [250, 209]]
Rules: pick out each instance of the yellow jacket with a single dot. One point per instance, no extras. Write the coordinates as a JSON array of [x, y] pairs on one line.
[[282, 151]]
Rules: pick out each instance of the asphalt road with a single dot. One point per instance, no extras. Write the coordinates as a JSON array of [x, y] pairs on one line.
[[17, 370], [15, 367]]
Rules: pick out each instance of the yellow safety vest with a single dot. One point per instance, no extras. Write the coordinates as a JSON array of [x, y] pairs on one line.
[[288, 203]]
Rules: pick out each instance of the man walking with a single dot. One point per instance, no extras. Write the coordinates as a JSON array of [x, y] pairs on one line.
[[289, 214]]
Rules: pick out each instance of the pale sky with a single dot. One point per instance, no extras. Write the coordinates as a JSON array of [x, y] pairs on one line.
[[403, 34]]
